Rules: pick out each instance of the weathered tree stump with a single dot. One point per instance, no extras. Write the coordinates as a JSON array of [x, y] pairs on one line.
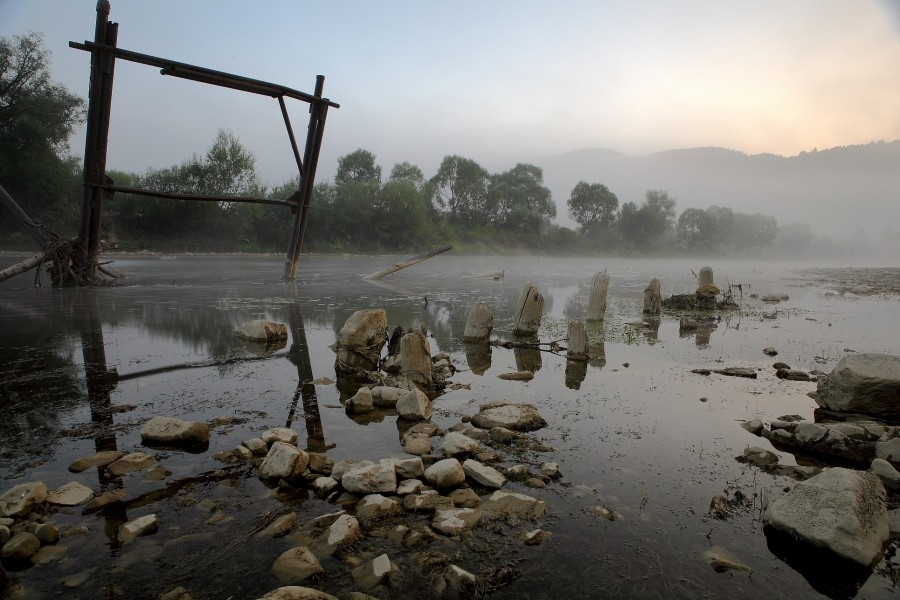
[[705, 278], [578, 342], [653, 298], [479, 324], [415, 358], [529, 310], [597, 302]]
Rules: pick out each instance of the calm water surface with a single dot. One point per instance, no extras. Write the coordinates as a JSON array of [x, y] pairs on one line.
[[82, 370]]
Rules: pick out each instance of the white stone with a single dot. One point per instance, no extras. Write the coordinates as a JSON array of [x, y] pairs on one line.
[[283, 461], [415, 406], [518, 417], [262, 331], [886, 472], [345, 530], [864, 383], [324, 485], [280, 434], [416, 443], [387, 397], [457, 443], [888, 450], [842, 510], [374, 507], [483, 474], [370, 479], [361, 402], [136, 461], [70, 494], [445, 473], [138, 527]]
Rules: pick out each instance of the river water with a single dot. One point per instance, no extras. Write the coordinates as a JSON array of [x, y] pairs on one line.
[[634, 429]]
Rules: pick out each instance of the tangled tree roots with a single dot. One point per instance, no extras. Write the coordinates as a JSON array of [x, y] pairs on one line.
[[67, 264]]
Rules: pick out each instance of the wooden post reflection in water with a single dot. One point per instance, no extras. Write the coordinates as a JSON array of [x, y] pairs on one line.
[[100, 380], [299, 355]]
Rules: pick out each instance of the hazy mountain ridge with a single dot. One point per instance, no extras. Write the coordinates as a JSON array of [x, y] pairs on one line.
[[835, 190]]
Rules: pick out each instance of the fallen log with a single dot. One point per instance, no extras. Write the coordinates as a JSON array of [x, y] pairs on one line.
[[407, 263], [23, 267]]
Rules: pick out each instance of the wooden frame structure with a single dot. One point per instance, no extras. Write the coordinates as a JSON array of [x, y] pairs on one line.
[[98, 187]]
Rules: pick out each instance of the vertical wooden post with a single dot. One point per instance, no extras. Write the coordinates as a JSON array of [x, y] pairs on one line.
[[318, 111], [96, 138], [653, 298]]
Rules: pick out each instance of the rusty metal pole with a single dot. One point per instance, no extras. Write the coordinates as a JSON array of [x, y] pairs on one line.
[[318, 111], [96, 138]]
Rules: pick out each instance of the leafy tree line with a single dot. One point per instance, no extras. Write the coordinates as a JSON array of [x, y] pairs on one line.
[[358, 211]]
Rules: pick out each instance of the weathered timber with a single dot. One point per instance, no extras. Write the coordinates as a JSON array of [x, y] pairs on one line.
[[705, 278], [578, 342], [529, 311], [415, 358], [652, 298], [597, 302], [408, 263], [479, 324]]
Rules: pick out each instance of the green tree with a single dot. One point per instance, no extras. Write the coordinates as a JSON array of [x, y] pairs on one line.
[[409, 173], [755, 231], [37, 117], [520, 200], [460, 189], [696, 229], [357, 167], [401, 221], [648, 227], [593, 206], [724, 226]]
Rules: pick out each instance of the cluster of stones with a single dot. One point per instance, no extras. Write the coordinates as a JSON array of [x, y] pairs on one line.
[[451, 485], [844, 511]]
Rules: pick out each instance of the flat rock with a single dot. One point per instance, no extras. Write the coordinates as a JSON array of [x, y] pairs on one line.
[[722, 561], [70, 494], [138, 527], [509, 503], [21, 499], [296, 565], [136, 461], [427, 501], [484, 475], [456, 520], [514, 416], [100, 459], [280, 526], [456, 443], [841, 510], [408, 468], [168, 430], [535, 537], [409, 486]]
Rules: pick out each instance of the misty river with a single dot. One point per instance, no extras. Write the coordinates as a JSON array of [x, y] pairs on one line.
[[633, 429]]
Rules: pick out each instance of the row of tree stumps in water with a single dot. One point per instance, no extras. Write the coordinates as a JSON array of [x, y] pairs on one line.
[[530, 308]]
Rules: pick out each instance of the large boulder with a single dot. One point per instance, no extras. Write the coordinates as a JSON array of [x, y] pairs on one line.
[[841, 510], [863, 383], [296, 565], [283, 462], [360, 341], [21, 499]]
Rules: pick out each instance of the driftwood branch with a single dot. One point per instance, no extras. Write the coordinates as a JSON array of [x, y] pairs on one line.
[[408, 263], [22, 267]]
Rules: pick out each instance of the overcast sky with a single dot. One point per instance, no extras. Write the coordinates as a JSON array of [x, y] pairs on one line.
[[500, 82]]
